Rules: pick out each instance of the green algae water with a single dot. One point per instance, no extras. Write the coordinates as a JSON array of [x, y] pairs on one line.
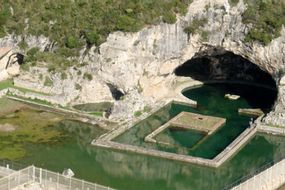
[[211, 101], [129, 171], [180, 137]]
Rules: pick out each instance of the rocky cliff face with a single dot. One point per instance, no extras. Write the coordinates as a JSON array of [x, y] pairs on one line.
[[142, 64]]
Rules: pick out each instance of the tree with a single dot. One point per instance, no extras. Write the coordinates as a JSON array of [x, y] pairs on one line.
[[72, 42], [92, 38]]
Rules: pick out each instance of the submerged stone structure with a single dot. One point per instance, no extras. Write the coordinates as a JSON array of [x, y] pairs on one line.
[[204, 123]]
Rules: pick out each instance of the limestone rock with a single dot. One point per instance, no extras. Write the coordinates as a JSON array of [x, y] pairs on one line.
[[141, 64]]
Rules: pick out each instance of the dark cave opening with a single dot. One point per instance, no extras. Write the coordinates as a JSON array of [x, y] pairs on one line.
[[116, 93], [217, 65]]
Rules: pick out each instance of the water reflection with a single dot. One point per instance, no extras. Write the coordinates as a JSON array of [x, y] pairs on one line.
[[178, 175], [122, 170]]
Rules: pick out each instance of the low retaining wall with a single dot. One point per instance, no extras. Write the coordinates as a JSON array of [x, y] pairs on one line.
[[271, 130], [228, 152]]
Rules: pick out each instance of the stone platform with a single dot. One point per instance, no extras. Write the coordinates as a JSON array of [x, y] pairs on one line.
[[189, 121], [203, 123], [106, 141]]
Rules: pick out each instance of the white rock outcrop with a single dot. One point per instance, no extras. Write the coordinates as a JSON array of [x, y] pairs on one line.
[[141, 64]]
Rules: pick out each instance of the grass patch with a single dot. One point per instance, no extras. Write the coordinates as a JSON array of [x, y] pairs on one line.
[[99, 114], [6, 84]]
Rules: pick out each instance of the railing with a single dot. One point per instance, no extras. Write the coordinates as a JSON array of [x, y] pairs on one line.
[[56, 181], [17, 179], [46, 179], [12, 165]]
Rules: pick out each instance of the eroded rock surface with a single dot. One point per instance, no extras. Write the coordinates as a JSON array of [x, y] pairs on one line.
[[142, 64]]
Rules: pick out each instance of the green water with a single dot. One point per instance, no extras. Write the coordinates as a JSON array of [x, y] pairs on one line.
[[211, 101], [128, 171]]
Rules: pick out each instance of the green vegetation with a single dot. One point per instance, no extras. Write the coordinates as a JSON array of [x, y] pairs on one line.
[[35, 100], [267, 18], [74, 24], [63, 75], [138, 113], [4, 15], [233, 2], [204, 35], [195, 25], [26, 127], [6, 84], [72, 42], [146, 109], [78, 86], [99, 114], [48, 81], [88, 76]]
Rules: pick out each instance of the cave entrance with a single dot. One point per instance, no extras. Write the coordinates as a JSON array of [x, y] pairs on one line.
[[217, 65]]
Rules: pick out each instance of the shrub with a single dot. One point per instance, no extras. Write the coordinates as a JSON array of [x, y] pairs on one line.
[[138, 113], [147, 109], [63, 76], [204, 35], [128, 24], [267, 18], [48, 81], [23, 45], [72, 42], [92, 38], [31, 55], [233, 2], [25, 67], [195, 25], [88, 76], [78, 86], [4, 15], [169, 18]]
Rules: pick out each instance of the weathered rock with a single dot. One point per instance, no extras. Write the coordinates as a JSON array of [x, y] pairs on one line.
[[142, 63]]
